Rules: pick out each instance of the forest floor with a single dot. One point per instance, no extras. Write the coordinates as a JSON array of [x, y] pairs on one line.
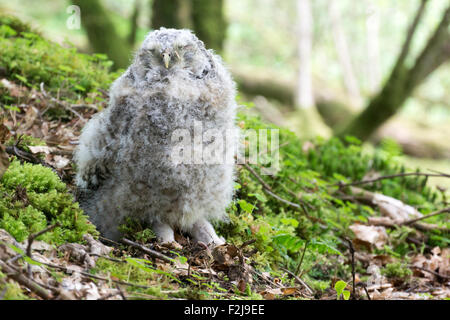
[[137, 270], [336, 222]]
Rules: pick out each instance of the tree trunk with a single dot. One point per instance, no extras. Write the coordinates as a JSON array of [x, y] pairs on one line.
[[171, 14], [311, 123], [305, 97], [209, 23], [134, 23], [340, 43], [403, 80], [102, 34], [205, 17]]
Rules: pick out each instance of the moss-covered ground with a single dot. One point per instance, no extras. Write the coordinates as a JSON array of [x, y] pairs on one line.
[[296, 221]]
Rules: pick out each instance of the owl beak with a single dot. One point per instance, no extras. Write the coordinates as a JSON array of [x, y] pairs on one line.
[[166, 59]]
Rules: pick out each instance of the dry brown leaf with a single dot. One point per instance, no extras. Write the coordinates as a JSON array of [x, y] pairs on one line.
[[30, 116], [40, 149], [289, 291], [4, 133], [395, 209], [374, 235], [270, 294], [4, 160], [242, 285], [14, 90]]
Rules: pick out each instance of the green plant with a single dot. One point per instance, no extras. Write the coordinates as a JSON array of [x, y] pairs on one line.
[[33, 197], [340, 286], [29, 59]]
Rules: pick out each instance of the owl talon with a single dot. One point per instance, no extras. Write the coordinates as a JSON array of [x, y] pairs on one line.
[[203, 231], [164, 233]]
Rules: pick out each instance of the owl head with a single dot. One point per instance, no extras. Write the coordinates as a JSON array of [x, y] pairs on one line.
[[170, 51]]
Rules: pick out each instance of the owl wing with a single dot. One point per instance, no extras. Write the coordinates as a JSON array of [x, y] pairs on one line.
[[95, 153]]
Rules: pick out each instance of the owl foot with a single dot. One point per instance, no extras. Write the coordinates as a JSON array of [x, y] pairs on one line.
[[164, 233], [203, 231]]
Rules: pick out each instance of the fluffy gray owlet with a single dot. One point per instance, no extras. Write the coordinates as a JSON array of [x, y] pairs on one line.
[[130, 163]]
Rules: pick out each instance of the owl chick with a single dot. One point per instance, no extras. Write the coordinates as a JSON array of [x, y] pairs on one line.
[[125, 157]]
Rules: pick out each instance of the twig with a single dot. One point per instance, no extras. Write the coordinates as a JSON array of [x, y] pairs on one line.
[[362, 284], [121, 292], [89, 275], [247, 243], [445, 210], [150, 252], [109, 240], [431, 271], [23, 155], [406, 174], [303, 283], [64, 104], [352, 252], [301, 259], [446, 175], [253, 172], [31, 239], [37, 234], [23, 280], [268, 189], [108, 258]]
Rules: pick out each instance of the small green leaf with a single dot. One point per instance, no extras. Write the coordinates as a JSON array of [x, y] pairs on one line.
[[346, 294], [23, 79], [247, 207], [340, 286]]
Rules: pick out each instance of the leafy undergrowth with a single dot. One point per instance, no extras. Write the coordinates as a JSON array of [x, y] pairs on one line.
[[291, 233]]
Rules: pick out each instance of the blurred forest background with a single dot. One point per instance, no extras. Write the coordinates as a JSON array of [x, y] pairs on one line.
[[375, 69]]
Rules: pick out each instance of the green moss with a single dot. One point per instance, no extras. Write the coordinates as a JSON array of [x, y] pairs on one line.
[[29, 59], [281, 230], [136, 230], [15, 24], [10, 290], [396, 270], [128, 272], [32, 197]]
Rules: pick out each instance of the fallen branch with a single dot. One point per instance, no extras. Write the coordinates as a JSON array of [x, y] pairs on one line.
[[406, 174], [150, 252], [33, 236], [431, 271], [300, 281], [26, 282], [90, 275], [65, 104], [270, 192], [445, 210], [397, 212], [352, 252], [31, 239], [297, 270]]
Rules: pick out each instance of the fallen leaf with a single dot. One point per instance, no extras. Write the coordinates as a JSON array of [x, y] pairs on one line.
[[371, 234]]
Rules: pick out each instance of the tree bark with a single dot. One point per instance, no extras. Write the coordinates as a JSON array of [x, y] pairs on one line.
[[102, 34], [171, 14], [205, 17], [134, 23], [403, 80], [209, 23]]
